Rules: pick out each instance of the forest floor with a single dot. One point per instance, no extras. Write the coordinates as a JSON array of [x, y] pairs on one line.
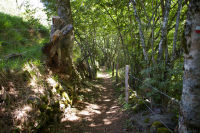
[[97, 109], [98, 112]]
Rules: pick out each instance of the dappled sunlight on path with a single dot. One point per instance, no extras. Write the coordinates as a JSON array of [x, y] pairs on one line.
[[103, 75], [99, 112]]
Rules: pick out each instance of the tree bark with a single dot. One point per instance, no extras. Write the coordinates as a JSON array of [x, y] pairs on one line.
[[189, 120], [176, 28], [113, 69], [59, 50], [164, 29], [153, 28], [140, 31]]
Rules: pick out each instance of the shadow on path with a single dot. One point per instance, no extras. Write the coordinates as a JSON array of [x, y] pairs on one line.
[[99, 111]]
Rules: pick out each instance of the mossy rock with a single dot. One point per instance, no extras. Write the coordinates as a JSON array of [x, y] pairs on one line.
[[162, 130], [58, 87], [66, 96], [140, 106], [157, 124], [133, 100], [66, 102]]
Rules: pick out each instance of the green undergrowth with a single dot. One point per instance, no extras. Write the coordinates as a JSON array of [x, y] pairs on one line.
[[37, 88], [138, 105], [20, 41], [41, 91], [14, 30], [32, 53]]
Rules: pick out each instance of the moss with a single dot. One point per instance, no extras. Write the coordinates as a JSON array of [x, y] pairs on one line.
[[66, 102], [60, 89], [70, 86], [57, 87], [140, 102], [157, 124], [132, 98], [147, 120], [66, 96], [140, 106], [44, 99], [163, 130]]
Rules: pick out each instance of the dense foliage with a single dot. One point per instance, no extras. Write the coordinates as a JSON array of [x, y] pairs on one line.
[[142, 34], [147, 35], [111, 33]]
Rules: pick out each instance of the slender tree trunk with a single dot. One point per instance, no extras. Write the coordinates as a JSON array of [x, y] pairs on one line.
[[113, 69], [176, 28], [140, 31], [123, 45], [162, 7], [190, 103], [166, 53], [164, 29], [152, 37]]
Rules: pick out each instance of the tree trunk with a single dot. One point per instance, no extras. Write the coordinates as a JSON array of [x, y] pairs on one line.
[[190, 103], [140, 31], [153, 28], [59, 50], [176, 28], [113, 69], [164, 29]]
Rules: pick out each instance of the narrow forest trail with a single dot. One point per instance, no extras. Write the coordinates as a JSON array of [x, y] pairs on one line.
[[99, 112]]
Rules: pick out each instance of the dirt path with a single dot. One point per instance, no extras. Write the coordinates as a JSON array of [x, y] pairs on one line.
[[99, 111]]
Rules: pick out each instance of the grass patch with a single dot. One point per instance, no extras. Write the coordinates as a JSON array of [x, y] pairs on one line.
[[21, 38]]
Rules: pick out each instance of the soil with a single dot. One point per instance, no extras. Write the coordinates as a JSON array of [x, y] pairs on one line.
[[97, 109], [98, 112]]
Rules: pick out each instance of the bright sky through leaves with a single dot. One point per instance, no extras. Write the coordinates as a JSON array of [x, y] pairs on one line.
[[17, 8]]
